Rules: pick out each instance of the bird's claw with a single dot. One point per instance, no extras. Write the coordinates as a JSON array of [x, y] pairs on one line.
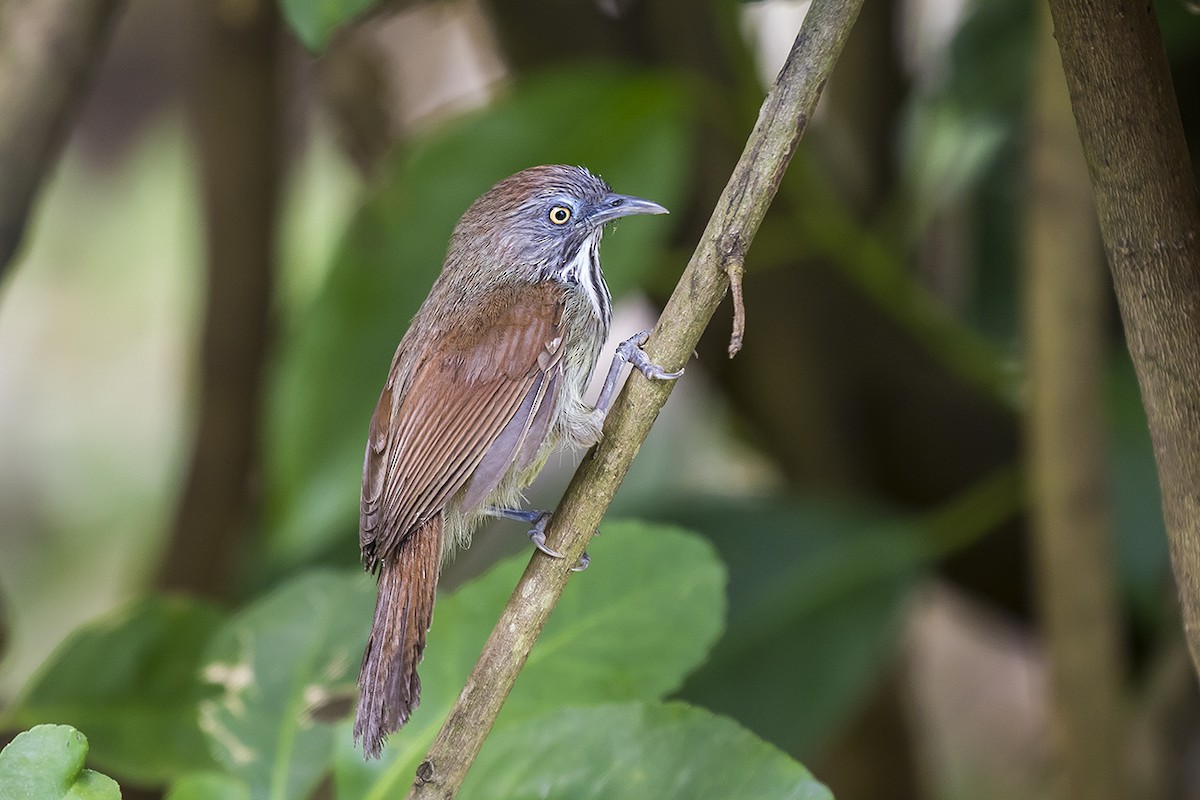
[[537, 535], [539, 541], [631, 350]]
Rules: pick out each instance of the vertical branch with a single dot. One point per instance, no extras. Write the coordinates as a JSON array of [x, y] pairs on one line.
[[735, 220], [1128, 120], [48, 50], [238, 127], [1065, 301]]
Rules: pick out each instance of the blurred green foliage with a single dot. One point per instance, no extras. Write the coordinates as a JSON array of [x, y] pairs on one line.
[[208, 786], [817, 591], [1141, 539], [815, 603], [129, 681], [315, 21]]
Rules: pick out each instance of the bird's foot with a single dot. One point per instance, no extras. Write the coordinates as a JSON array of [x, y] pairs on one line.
[[630, 352], [537, 534]]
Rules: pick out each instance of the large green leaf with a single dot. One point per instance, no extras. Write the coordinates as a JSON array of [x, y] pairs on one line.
[[278, 663], [636, 751], [46, 763], [814, 598], [630, 129], [816, 592], [315, 21], [130, 681], [630, 628]]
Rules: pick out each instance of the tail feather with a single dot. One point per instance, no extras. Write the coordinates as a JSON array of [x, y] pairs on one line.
[[389, 687]]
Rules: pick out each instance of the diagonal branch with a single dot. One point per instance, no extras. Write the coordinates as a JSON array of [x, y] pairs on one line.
[[782, 119]]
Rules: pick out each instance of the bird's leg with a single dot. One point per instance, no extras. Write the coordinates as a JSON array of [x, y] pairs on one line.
[[630, 352], [537, 534]]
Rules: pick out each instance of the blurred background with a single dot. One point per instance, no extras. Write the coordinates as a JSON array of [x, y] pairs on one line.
[[219, 265]]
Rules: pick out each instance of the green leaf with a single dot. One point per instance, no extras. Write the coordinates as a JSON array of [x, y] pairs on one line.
[[602, 645], [630, 129], [629, 628], [208, 786], [315, 21], [131, 681], [46, 763], [279, 663], [816, 595], [815, 599], [636, 751]]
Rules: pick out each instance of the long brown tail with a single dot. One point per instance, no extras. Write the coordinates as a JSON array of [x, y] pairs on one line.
[[389, 688]]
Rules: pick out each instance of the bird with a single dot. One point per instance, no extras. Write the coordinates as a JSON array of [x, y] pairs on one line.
[[487, 381]]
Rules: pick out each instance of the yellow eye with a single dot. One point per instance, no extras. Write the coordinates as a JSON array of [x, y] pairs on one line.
[[559, 215]]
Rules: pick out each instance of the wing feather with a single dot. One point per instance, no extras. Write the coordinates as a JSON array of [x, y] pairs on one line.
[[487, 375]]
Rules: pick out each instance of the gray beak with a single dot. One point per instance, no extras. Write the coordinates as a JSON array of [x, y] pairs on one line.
[[614, 206]]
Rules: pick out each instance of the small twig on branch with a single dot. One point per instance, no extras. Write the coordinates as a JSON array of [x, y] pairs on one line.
[[735, 270], [782, 119]]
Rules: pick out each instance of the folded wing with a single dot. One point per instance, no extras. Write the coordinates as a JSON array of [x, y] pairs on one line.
[[477, 397]]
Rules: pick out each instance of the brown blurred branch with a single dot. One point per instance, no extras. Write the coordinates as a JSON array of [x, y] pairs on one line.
[[738, 214], [237, 112], [1065, 304], [48, 51], [1129, 123]]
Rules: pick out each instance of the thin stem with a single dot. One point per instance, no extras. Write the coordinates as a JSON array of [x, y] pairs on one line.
[[782, 119]]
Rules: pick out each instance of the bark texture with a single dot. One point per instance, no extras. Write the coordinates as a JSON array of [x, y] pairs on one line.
[[1128, 121]]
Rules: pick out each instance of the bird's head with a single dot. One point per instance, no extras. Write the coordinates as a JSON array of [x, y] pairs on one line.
[[539, 221]]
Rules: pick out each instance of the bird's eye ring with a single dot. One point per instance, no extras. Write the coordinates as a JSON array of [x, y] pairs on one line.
[[559, 215]]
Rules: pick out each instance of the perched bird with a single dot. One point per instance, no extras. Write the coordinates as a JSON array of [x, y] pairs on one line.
[[488, 379]]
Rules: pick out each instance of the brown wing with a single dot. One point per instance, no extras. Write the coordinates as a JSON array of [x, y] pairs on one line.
[[488, 375]]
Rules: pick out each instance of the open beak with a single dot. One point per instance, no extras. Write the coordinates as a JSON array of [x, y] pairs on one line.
[[614, 206]]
